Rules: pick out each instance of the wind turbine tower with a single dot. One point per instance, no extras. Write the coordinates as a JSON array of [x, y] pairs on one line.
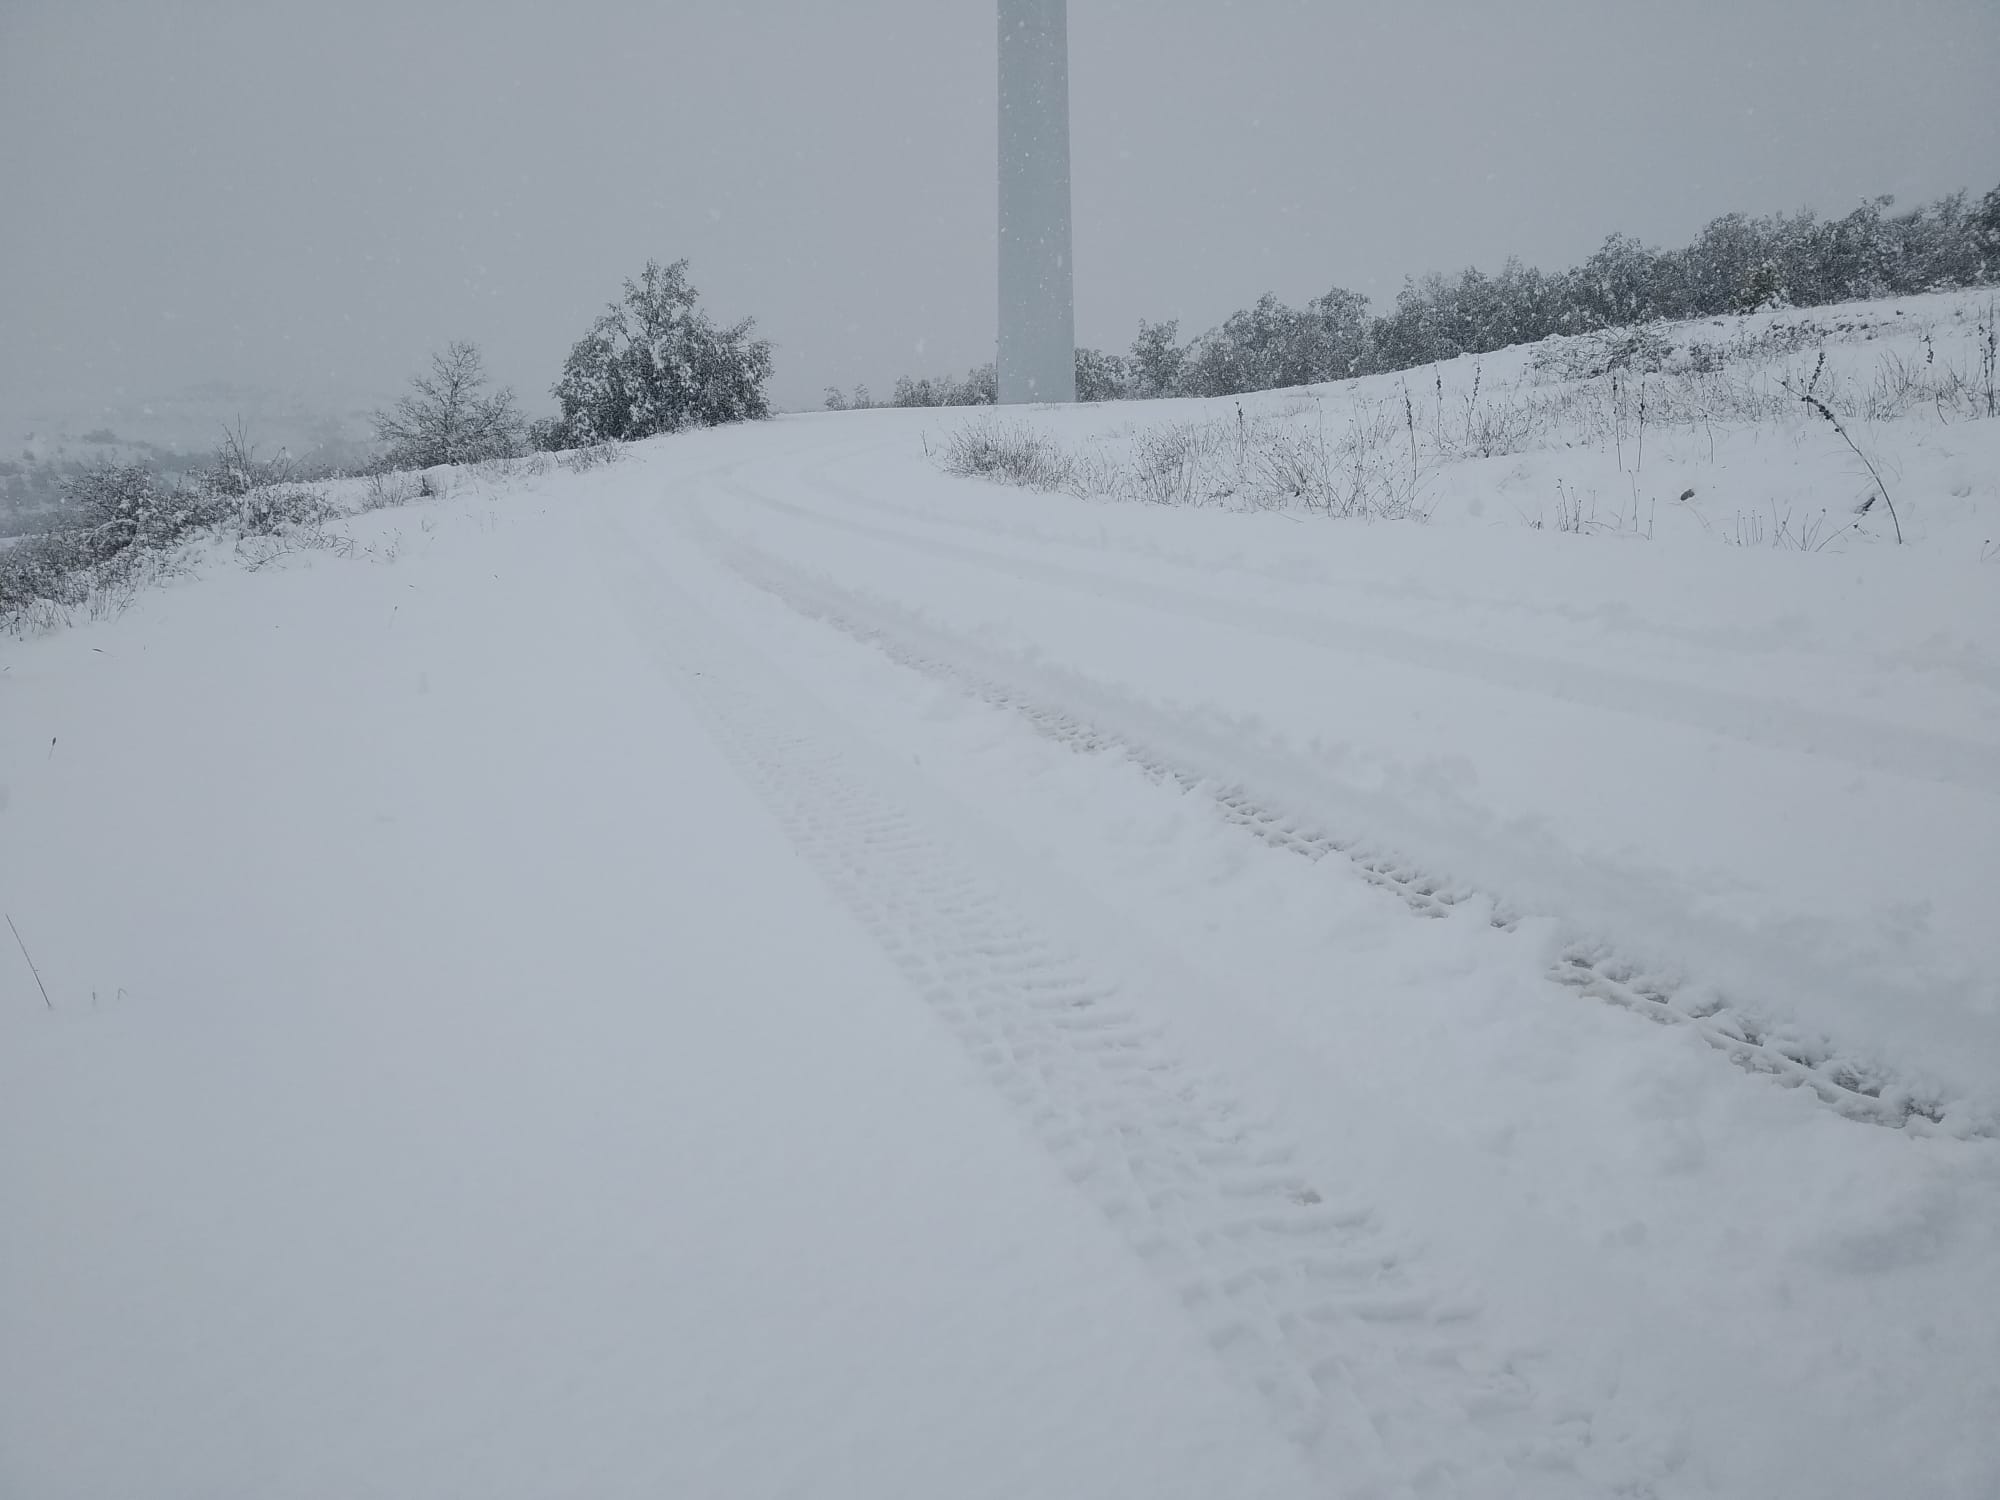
[[1037, 350]]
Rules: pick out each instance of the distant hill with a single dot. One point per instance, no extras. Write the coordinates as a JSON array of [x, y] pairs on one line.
[[172, 433]]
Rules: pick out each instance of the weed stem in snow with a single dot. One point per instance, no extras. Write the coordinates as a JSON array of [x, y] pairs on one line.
[[31, 964]]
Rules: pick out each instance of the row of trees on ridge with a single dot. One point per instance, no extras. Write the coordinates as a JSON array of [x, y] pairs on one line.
[[1739, 263], [652, 362]]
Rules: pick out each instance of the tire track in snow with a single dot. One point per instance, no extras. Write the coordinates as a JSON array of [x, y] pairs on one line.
[[1298, 1289], [1793, 728], [1597, 970], [936, 524]]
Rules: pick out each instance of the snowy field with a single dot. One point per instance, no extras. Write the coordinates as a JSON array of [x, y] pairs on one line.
[[766, 969]]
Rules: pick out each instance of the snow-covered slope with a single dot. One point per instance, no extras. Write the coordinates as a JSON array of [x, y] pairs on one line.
[[764, 969]]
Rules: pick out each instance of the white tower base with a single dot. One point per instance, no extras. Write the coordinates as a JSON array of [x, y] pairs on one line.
[[1037, 349]]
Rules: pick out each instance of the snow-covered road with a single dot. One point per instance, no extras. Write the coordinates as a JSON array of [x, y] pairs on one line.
[[762, 970]]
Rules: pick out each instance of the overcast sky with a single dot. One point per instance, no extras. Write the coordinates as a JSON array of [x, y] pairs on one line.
[[316, 195]]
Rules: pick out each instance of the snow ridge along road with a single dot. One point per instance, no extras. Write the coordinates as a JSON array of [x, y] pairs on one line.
[[1095, 717], [1386, 1381]]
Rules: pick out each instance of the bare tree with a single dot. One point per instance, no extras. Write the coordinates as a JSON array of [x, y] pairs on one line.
[[449, 416]]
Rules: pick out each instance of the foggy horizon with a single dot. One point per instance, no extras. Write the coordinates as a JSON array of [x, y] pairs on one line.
[[313, 201]]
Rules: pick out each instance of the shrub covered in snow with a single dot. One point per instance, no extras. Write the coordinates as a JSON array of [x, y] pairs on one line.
[[980, 387], [122, 524], [655, 362], [1011, 453]]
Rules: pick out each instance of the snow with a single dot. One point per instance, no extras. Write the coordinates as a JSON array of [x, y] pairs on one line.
[[764, 969], [456, 1087]]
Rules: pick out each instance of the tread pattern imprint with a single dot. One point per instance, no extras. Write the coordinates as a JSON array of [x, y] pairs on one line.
[[1305, 1296], [1859, 1088]]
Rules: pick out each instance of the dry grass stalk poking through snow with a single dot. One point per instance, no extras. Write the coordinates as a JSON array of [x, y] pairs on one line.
[[1010, 453], [1266, 462], [1822, 409]]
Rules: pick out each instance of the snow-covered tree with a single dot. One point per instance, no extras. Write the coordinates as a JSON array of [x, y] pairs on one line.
[[1986, 233], [654, 362], [980, 387], [449, 416], [1157, 358], [1101, 376]]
